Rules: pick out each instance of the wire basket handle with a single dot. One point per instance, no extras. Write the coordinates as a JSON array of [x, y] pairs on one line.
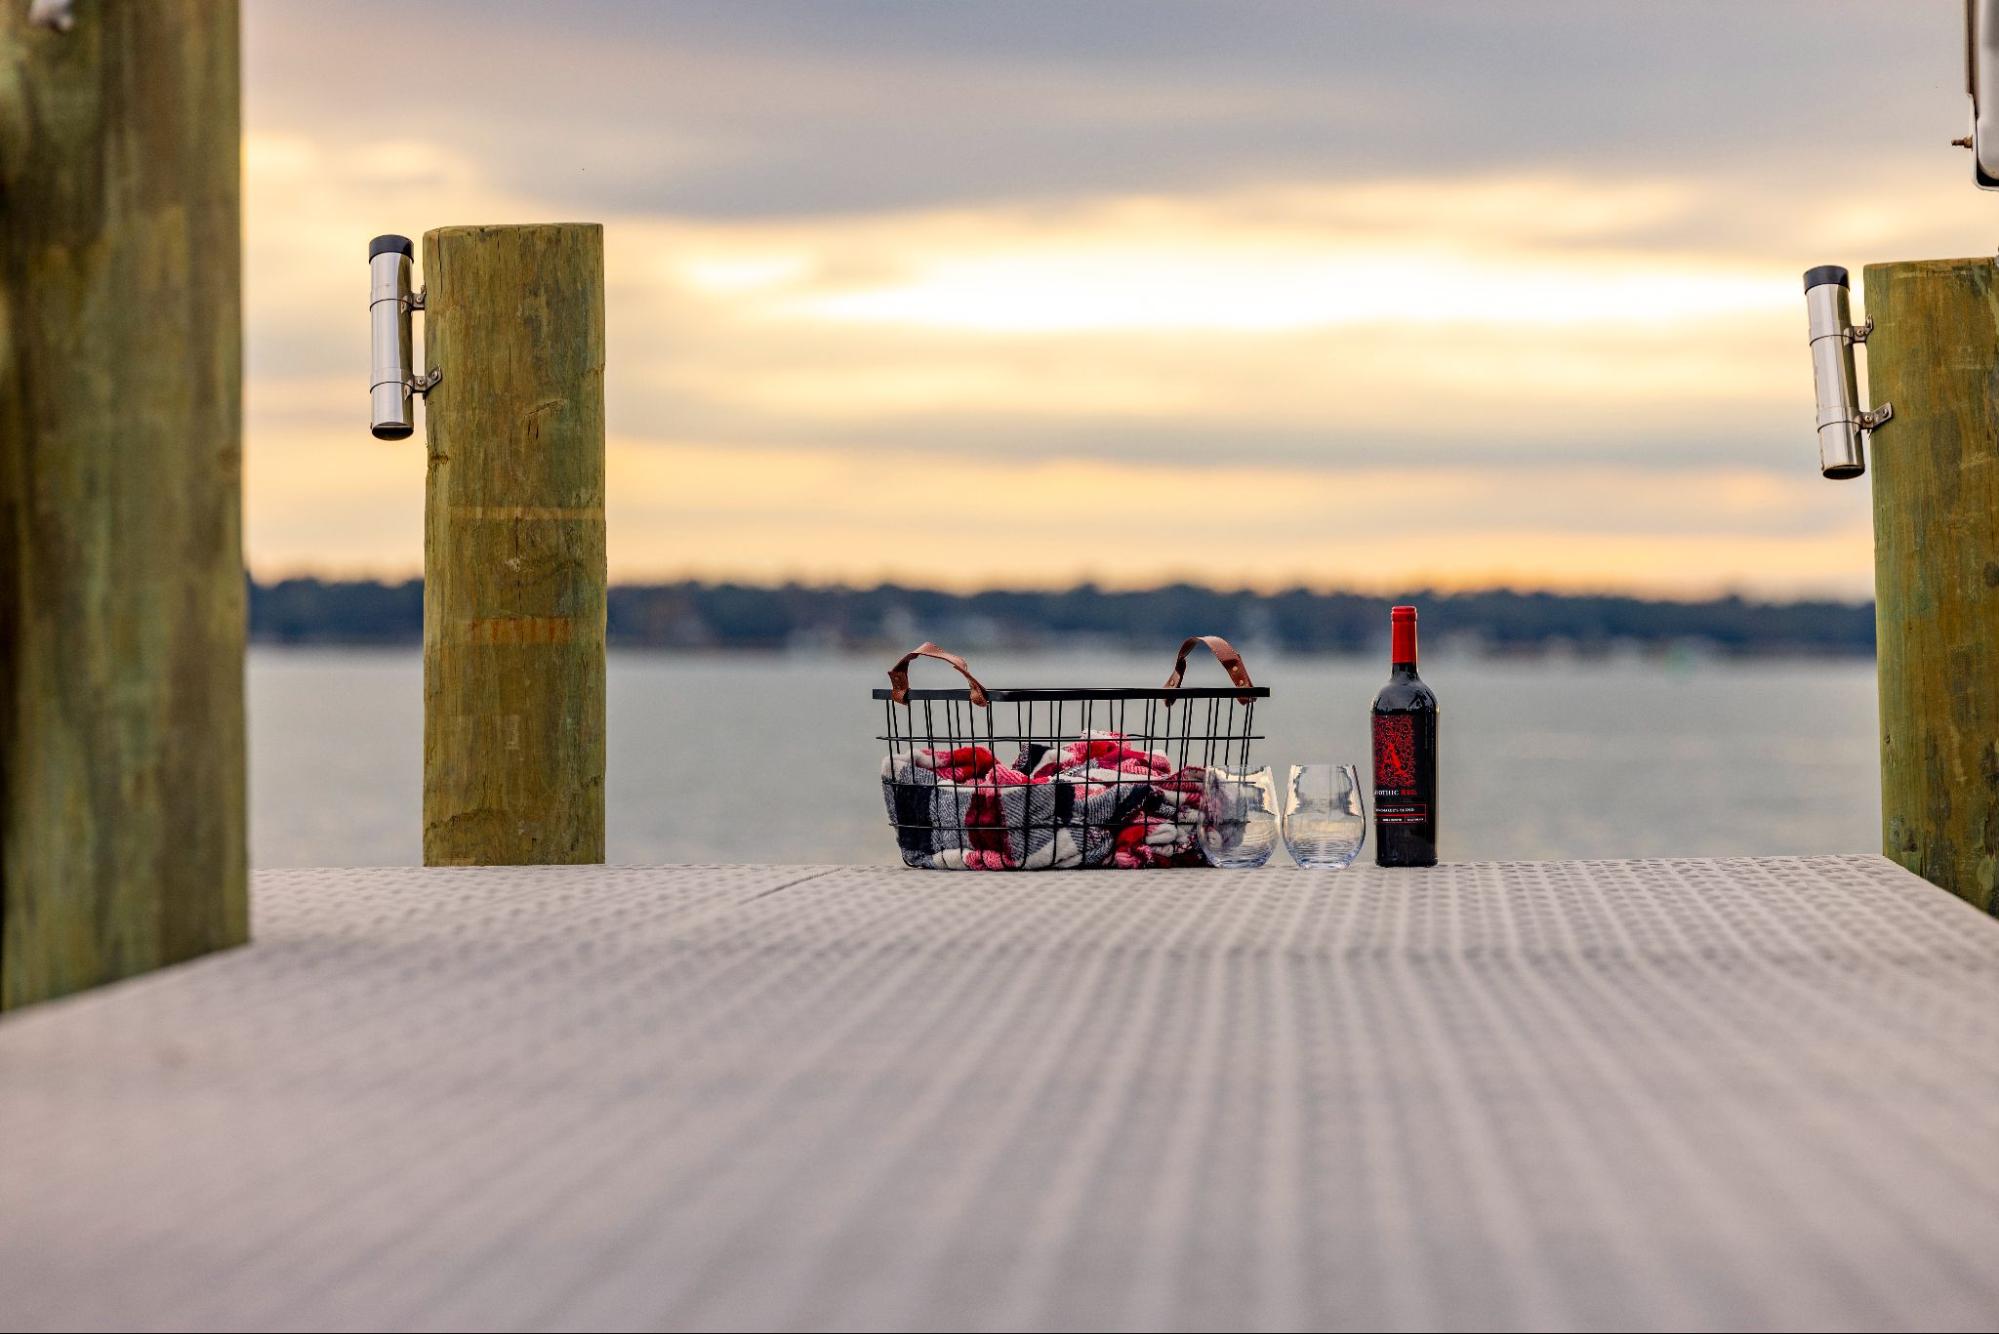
[[898, 675], [1225, 654]]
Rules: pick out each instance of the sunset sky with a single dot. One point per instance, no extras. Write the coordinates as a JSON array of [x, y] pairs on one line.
[[1344, 295]]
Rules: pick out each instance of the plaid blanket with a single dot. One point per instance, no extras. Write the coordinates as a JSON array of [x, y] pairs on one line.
[[1099, 801]]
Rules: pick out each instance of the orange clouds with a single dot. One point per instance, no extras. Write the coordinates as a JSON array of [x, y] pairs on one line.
[[1495, 380]]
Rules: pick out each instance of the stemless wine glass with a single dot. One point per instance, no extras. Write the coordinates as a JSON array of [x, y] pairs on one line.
[[1238, 817], [1324, 821]]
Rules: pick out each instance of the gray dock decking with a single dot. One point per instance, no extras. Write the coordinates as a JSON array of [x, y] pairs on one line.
[[1669, 1094]]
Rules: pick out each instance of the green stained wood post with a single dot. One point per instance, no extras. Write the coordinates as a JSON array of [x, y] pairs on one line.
[[514, 560], [122, 833], [1934, 354]]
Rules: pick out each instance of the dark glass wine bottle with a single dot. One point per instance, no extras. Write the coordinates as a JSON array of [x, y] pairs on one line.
[[1405, 756]]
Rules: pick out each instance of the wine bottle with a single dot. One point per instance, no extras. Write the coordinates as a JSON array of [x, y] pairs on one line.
[[1405, 755]]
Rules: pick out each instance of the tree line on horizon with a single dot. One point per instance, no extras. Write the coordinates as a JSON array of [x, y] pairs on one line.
[[703, 616]]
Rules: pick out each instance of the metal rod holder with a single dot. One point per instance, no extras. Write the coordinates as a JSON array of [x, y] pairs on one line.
[[1843, 426], [393, 382]]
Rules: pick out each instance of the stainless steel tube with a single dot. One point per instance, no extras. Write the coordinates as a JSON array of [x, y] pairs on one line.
[[389, 388], [1841, 444]]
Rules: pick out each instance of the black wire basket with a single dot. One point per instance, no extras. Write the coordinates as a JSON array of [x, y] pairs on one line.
[[1003, 780]]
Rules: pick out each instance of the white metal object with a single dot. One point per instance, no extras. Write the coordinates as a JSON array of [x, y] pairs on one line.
[[55, 15], [1981, 77]]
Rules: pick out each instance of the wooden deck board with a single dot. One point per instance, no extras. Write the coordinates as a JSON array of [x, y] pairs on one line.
[[1667, 1094]]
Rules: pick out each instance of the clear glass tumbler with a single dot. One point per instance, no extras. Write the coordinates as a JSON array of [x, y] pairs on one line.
[[1238, 817], [1325, 823]]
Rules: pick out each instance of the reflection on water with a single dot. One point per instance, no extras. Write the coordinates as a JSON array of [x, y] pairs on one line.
[[773, 759]]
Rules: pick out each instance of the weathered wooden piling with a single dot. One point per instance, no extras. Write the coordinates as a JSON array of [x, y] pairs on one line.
[[1934, 354], [514, 562], [122, 843]]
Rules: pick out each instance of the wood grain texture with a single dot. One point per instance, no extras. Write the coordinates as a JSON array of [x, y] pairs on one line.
[[1934, 354], [514, 563], [122, 832]]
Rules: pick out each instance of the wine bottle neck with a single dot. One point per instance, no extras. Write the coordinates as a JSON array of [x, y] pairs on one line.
[[1402, 644]]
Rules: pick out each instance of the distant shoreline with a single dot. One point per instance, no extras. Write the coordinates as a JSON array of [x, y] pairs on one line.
[[735, 618]]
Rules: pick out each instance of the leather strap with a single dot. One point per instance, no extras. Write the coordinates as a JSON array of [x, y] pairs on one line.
[[1225, 654], [898, 675]]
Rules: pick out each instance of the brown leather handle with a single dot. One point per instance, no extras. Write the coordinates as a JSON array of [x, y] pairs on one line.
[[898, 675], [1225, 654]]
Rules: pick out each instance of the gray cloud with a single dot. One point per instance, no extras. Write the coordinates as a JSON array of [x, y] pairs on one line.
[[799, 108]]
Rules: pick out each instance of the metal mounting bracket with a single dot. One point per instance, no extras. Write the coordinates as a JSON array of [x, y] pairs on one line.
[[55, 15], [1868, 419], [415, 300], [423, 384]]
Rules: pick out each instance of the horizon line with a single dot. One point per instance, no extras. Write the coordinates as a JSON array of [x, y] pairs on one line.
[[1168, 583]]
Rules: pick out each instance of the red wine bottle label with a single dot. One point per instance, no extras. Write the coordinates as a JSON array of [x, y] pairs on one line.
[[1394, 751], [1396, 800]]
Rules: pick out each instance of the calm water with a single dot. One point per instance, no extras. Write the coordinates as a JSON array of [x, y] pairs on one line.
[[773, 759]]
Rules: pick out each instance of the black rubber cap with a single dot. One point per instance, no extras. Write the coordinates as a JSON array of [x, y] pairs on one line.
[[388, 245], [1823, 274], [393, 432]]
